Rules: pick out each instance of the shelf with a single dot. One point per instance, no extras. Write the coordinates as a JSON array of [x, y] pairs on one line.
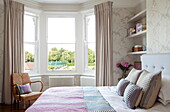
[[138, 16], [138, 34], [140, 52]]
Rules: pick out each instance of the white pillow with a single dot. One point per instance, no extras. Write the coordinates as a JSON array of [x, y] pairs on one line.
[[133, 75], [164, 94]]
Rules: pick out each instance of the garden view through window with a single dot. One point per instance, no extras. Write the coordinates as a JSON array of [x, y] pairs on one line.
[[30, 25], [61, 44]]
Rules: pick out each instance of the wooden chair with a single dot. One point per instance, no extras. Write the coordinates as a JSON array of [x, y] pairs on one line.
[[21, 79]]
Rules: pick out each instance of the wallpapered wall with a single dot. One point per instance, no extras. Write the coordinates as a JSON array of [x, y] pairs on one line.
[[1, 42], [121, 45], [158, 20]]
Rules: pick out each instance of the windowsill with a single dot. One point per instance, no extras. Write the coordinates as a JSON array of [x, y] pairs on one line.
[[88, 74], [55, 74], [34, 74], [62, 74]]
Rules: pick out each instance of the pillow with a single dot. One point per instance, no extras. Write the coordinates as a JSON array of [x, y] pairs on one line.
[[121, 86], [23, 89], [132, 95], [133, 75], [163, 101], [151, 83], [164, 94]]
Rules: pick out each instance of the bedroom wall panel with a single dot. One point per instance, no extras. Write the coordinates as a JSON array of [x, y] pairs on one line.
[[45, 80], [121, 45], [58, 81], [35, 86], [87, 81], [158, 20], [1, 43], [141, 6]]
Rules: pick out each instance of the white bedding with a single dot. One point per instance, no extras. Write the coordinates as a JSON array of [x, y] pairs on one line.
[[116, 102]]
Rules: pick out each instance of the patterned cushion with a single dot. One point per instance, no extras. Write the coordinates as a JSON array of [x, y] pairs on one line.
[[23, 89], [151, 83], [132, 95], [121, 86], [133, 75]]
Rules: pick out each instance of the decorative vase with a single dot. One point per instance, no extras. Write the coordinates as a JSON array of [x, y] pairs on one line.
[[124, 74]]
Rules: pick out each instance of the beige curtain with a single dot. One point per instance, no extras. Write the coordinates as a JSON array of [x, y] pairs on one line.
[[13, 45], [104, 44]]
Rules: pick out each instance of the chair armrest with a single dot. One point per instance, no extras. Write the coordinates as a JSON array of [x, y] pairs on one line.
[[42, 85], [14, 86]]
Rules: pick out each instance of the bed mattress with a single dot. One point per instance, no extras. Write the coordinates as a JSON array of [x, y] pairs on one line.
[[86, 99]]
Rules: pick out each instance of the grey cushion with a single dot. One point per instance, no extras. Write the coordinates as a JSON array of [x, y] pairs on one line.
[[121, 86], [132, 95], [151, 83]]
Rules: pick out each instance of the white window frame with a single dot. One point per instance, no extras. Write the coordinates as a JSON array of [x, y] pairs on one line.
[[88, 13], [44, 41], [36, 43]]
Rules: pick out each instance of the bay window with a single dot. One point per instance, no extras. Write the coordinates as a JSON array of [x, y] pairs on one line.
[[61, 47]]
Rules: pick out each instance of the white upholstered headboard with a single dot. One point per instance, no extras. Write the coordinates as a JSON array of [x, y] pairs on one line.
[[156, 63]]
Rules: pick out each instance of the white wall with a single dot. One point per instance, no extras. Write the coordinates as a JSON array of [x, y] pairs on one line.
[[30, 3], [158, 20], [35, 86], [58, 81], [87, 81], [67, 80]]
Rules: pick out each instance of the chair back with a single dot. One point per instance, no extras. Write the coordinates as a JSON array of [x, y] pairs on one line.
[[20, 79]]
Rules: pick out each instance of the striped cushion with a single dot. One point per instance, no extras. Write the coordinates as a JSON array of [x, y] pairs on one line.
[[151, 83], [133, 75], [23, 89], [121, 86], [132, 95]]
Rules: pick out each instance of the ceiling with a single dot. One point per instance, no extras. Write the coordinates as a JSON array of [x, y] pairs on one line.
[[117, 3], [63, 1]]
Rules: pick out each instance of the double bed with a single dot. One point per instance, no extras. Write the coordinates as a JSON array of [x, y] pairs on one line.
[[99, 99]]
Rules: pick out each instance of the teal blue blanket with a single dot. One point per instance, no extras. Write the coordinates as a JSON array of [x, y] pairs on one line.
[[95, 102]]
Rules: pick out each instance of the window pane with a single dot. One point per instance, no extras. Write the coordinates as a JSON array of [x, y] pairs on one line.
[[90, 28], [61, 57], [61, 30], [91, 56], [29, 28], [29, 51]]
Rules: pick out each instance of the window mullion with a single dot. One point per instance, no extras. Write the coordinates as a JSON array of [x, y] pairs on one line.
[[89, 43]]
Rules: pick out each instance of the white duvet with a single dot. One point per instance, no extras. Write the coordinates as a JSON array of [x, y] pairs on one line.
[[109, 93]]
